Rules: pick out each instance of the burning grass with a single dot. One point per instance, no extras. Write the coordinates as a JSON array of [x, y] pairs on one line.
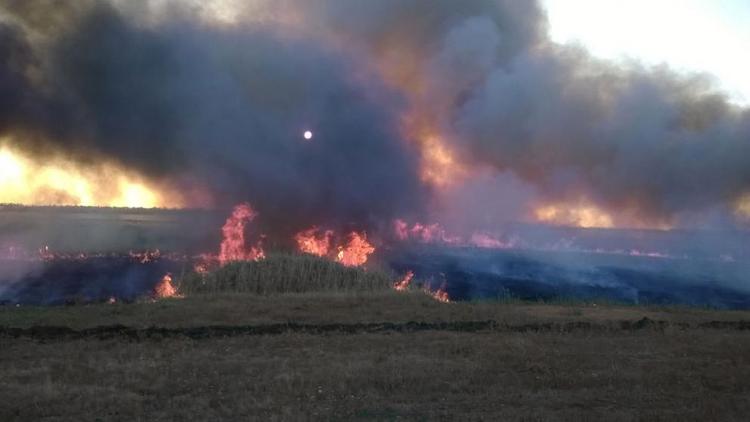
[[285, 273]]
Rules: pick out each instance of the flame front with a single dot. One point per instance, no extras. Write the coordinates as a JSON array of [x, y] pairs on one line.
[[313, 242], [743, 207], [164, 289], [356, 251], [59, 181], [425, 233], [585, 216], [233, 245], [404, 283]]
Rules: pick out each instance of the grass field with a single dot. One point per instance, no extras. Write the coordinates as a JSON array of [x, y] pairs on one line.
[[368, 353]]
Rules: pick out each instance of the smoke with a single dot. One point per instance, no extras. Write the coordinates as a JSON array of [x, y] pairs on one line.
[[650, 141], [224, 107], [217, 94]]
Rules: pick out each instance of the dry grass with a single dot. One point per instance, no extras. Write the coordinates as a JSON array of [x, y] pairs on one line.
[[654, 373], [285, 273], [326, 308], [698, 375]]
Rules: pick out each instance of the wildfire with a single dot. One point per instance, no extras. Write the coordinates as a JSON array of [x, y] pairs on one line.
[[441, 295], [435, 233], [484, 240], [425, 233], [164, 288], [233, 244], [439, 166], [313, 242], [403, 284], [353, 254], [579, 216], [743, 207], [356, 251], [145, 257], [60, 181]]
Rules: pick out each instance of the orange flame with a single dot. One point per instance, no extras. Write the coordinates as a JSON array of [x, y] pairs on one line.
[[422, 233], [164, 289], [61, 181], [403, 284], [233, 244], [312, 242], [441, 295], [742, 207], [356, 252], [484, 240], [586, 216]]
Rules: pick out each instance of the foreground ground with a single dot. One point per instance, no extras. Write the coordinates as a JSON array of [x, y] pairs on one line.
[[371, 357]]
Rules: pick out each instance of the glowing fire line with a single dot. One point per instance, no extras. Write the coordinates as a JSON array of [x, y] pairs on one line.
[[61, 181]]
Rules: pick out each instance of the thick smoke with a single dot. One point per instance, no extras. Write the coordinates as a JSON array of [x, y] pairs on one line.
[[649, 141], [170, 90], [224, 107], [645, 142]]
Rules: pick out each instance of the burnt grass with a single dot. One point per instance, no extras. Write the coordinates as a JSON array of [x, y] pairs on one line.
[[371, 356]]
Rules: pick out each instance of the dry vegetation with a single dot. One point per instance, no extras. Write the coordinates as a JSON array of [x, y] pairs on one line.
[[284, 274], [357, 351]]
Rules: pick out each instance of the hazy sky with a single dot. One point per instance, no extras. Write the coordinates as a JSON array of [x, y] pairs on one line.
[[691, 35]]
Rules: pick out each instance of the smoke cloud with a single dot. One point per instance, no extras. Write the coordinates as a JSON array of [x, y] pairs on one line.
[[218, 94]]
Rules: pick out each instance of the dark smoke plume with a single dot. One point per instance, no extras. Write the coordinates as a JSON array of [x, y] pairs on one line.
[[157, 87], [226, 107]]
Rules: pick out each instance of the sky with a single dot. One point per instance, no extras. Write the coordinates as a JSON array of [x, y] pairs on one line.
[[681, 33]]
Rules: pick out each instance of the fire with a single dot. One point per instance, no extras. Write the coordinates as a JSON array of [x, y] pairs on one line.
[[145, 257], [439, 166], [356, 252], [60, 181], [743, 207], [353, 254], [484, 240], [586, 216], [403, 284], [314, 243], [425, 233], [164, 289], [441, 295], [233, 245]]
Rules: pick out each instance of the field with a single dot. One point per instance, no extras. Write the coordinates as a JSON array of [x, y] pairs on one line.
[[371, 356]]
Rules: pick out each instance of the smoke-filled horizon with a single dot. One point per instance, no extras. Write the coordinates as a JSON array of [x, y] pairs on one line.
[[460, 112]]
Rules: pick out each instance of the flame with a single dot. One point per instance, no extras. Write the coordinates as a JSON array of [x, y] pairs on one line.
[[484, 240], [441, 295], [233, 244], [60, 181], [425, 233], [403, 284], [743, 207], [312, 242], [439, 166], [164, 288], [356, 252], [586, 216], [145, 257]]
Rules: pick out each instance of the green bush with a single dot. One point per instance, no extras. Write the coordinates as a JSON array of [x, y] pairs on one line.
[[283, 273]]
